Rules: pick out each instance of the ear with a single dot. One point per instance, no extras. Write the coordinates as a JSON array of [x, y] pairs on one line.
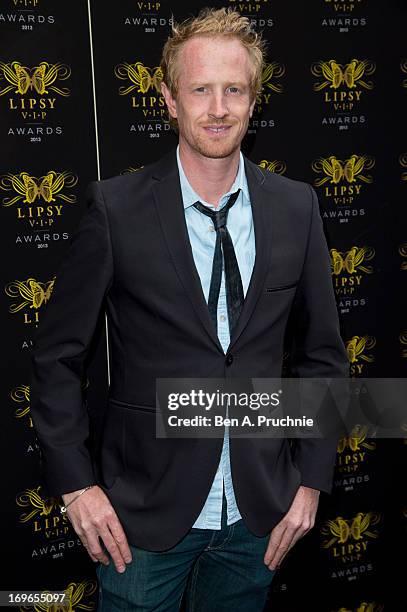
[[169, 100]]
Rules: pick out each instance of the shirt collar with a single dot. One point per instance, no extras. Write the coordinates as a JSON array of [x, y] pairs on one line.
[[190, 196]]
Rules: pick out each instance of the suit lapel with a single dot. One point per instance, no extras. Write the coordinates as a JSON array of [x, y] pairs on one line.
[[261, 212], [170, 210]]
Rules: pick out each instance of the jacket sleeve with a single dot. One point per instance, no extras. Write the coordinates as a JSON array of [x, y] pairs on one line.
[[60, 346], [319, 351]]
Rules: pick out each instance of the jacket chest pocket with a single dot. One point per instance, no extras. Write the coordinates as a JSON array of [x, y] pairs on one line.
[[284, 287]]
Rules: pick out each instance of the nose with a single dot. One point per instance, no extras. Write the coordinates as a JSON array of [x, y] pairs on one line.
[[218, 106]]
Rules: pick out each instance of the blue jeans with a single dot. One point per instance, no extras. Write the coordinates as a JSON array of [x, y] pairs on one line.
[[220, 570]]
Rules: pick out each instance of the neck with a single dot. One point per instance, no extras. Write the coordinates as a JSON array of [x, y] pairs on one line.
[[209, 177]]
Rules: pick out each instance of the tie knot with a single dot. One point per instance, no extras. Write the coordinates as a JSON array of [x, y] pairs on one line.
[[219, 217]]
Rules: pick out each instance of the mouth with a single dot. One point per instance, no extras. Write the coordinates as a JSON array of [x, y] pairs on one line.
[[217, 129]]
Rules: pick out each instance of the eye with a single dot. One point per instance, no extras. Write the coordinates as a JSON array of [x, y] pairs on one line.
[[233, 89], [200, 89]]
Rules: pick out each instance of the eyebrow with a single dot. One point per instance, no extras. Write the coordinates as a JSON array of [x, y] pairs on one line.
[[229, 83]]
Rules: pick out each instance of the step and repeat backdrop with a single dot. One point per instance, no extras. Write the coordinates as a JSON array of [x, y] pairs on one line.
[[80, 100]]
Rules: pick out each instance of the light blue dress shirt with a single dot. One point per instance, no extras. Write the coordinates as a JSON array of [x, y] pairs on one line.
[[202, 236]]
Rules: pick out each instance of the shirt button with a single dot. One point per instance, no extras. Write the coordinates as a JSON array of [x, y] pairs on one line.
[[222, 318], [229, 359], [211, 228]]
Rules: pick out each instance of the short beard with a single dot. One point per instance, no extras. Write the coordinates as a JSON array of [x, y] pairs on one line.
[[215, 150]]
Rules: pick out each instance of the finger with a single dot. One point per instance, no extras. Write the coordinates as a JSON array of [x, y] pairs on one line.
[[83, 534], [283, 556], [274, 542], [94, 548], [291, 536], [120, 538], [114, 550], [282, 548], [86, 547]]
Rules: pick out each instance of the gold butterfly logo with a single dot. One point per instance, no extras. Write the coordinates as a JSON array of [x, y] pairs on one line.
[[337, 74], [35, 190], [275, 165], [356, 440], [29, 187], [356, 346], [41, 292], [142, 77], [336, 170], [33, 292], [351, 261], [40, 78], [356, 528]]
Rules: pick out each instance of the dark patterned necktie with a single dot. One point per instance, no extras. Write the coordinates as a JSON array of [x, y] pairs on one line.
[[233, 281]]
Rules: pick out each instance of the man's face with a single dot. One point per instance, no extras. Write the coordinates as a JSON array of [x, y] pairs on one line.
[[213, 104]]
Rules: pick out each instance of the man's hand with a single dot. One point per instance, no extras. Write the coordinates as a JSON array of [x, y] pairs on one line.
[[92, 516], [299, 519]]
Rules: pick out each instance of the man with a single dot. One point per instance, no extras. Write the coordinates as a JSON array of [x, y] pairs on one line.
[[213, 517]]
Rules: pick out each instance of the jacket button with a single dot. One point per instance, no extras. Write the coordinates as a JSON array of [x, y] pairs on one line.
[[229, 359]]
